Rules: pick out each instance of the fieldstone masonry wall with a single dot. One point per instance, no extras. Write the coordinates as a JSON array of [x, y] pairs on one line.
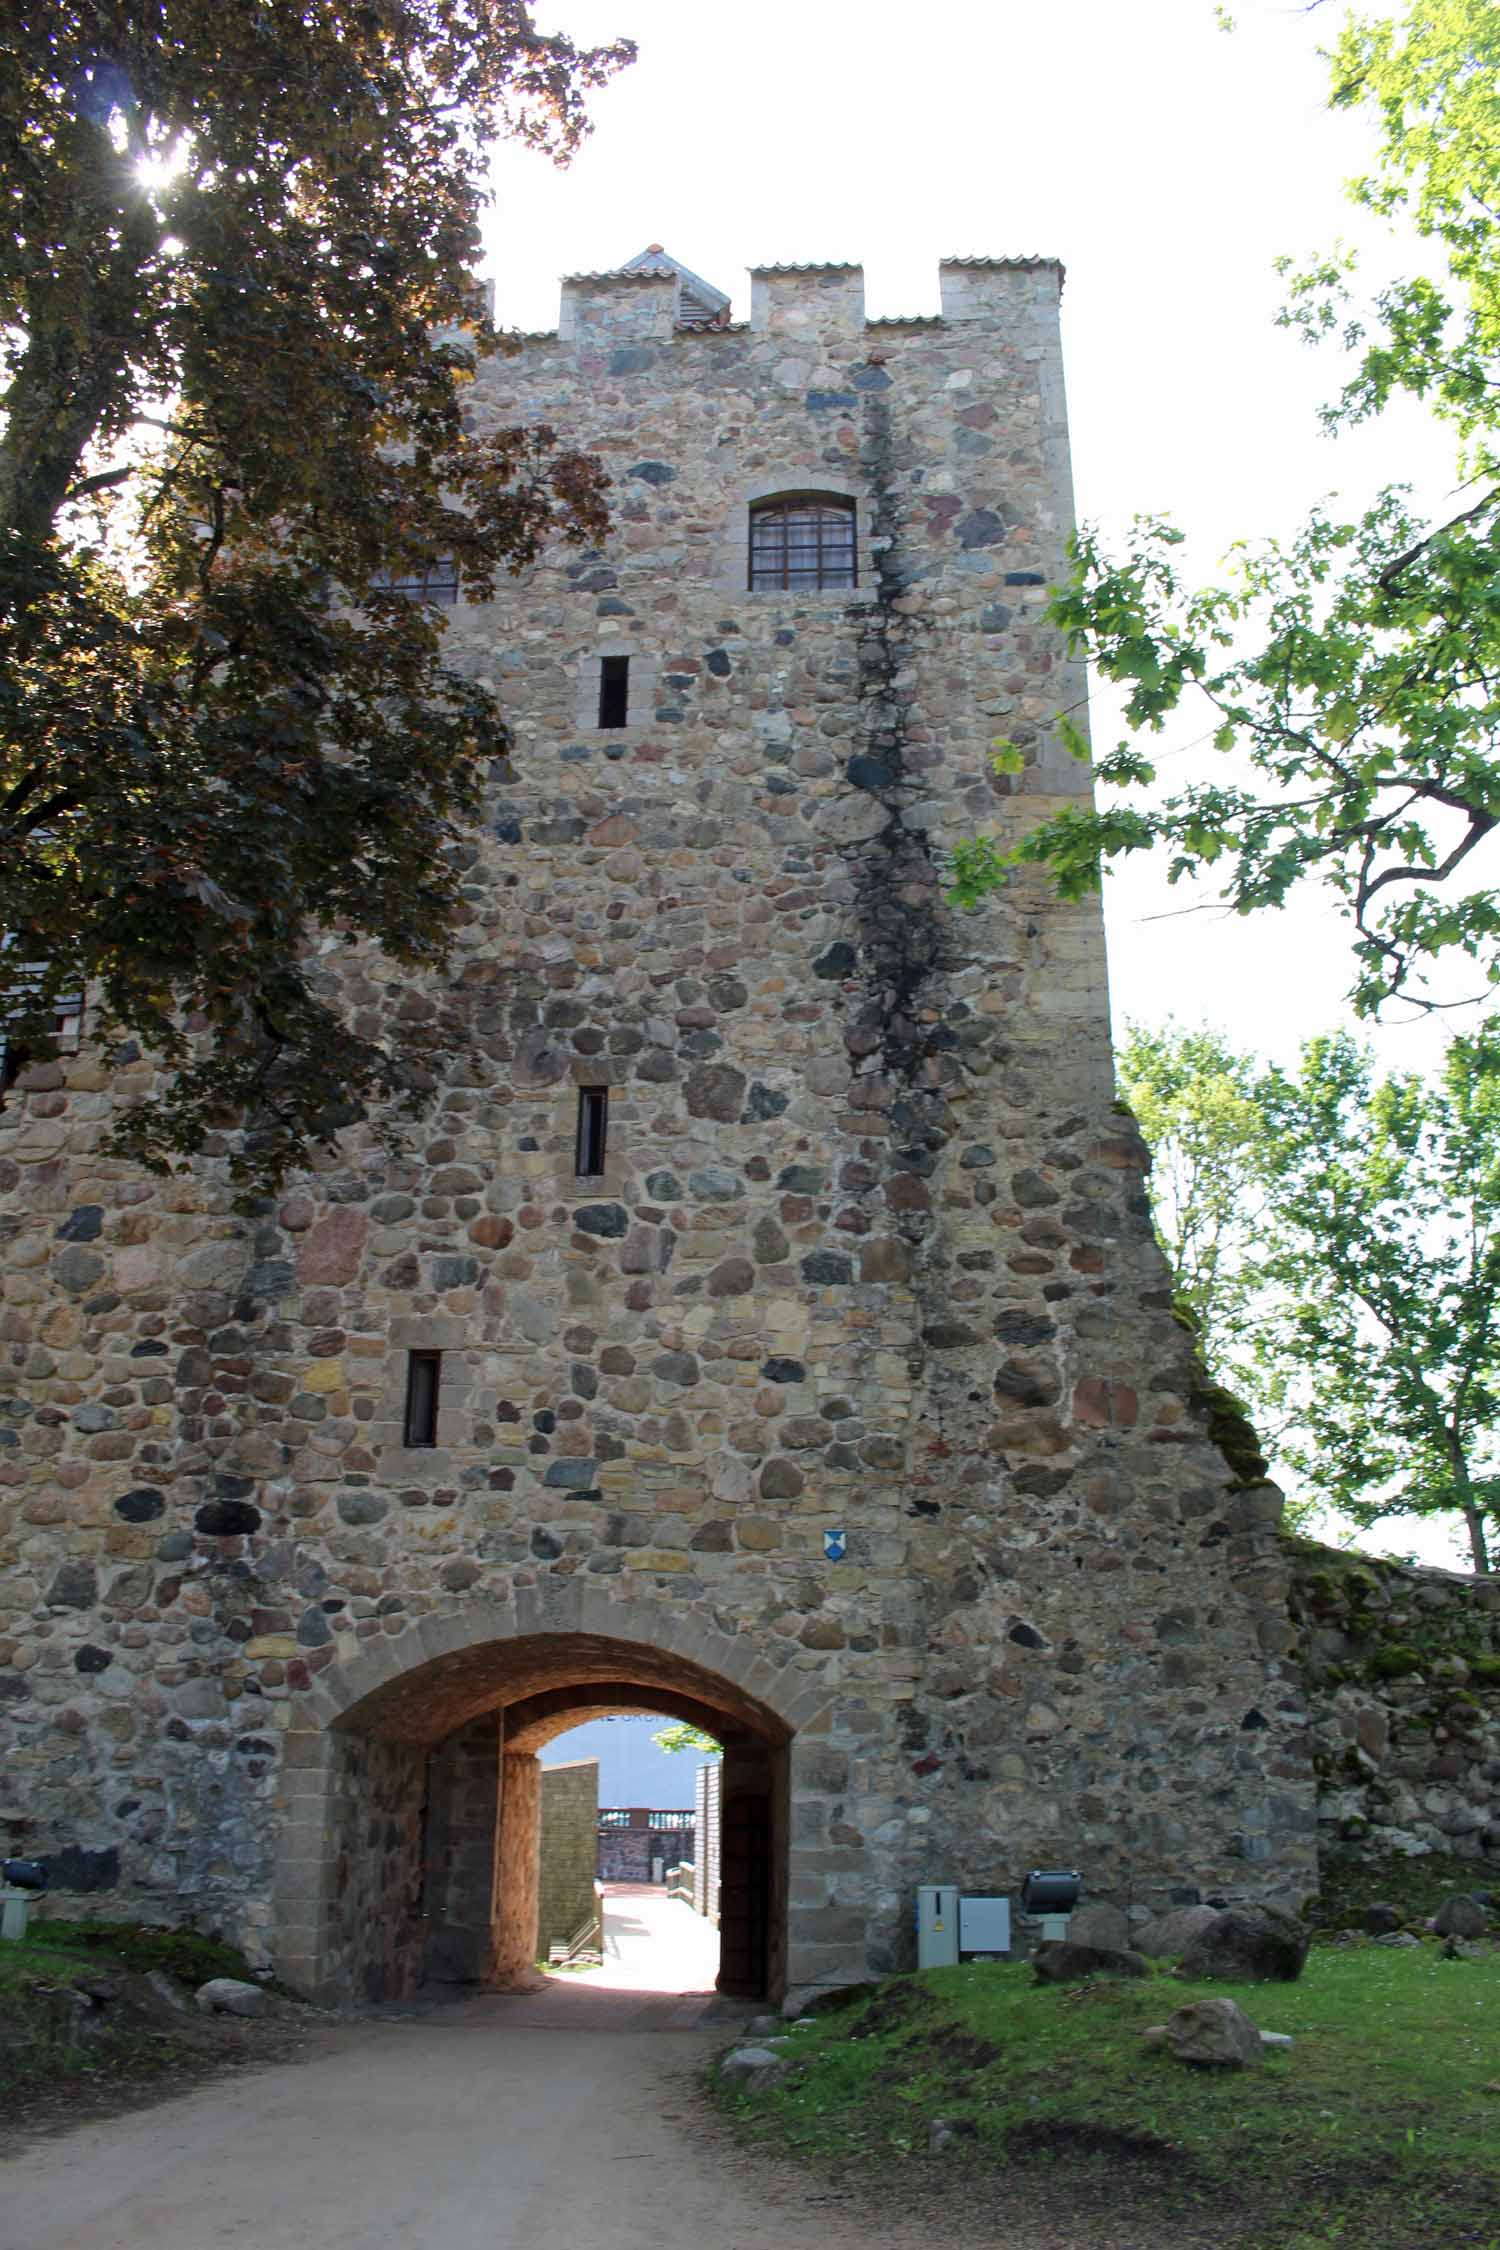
[[1403, 1672], [871, 1251]]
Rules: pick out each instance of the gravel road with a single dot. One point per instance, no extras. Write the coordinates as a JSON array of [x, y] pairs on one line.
[[563, 2121]]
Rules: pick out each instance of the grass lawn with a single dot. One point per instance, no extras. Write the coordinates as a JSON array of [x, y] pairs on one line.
[[1379, 2128]]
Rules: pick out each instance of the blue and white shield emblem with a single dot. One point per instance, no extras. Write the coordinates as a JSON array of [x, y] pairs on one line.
[[835, 1544]]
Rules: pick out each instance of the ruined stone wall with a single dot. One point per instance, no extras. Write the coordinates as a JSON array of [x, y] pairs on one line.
[[627, 1855], [870, 1253], [1403, 1677], [570, 1828]]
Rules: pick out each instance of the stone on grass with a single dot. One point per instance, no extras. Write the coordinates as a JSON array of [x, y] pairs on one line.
[[1171, 1934], [1249, 1945], [1460, 1916], [942, 2132], [1060, 1961], [752, 2070], [167, 1990], [230, 1996], [1216, 2034], [1099, 1925], [1380, 1920]]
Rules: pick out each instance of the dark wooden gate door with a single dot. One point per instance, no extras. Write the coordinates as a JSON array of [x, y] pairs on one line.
[[745, 1895]]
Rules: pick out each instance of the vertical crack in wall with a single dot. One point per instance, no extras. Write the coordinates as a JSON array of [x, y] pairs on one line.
[[900, 1028], [903, 936]]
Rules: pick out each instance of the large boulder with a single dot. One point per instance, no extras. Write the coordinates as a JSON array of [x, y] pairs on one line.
[[1249, 1945], [751, 2070], [1170, 1935], [1100, 1926], [1060, 1961], [1461, 1916], [1216, 2034], [1381, 1920], [230, 1996]]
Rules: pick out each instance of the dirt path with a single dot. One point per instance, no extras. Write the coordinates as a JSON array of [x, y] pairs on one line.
[[552, 2123], [571, 2119]]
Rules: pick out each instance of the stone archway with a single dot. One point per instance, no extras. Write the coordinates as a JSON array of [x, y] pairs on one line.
[[411, 1833]]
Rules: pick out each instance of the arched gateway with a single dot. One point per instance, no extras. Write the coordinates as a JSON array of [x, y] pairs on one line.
[[410, 1843], [765, 1322]]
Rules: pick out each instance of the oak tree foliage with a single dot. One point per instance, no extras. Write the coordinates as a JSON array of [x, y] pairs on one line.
[[1195, 1100], [1336, 1234], [681, 1734], [1381, 1265], [1347, 677], [238, 324]]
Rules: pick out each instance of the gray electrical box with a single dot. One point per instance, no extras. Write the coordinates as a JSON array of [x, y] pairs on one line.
[[937, 1925], [984, 1925]]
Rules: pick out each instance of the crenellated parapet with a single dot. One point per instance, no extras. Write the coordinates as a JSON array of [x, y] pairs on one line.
[[653, 298]]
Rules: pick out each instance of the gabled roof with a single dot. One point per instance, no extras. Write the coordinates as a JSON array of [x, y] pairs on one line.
[[699, 303]]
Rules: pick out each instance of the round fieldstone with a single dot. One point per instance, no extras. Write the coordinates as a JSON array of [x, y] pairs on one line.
[[360, 1507], [76, 1586], [141, 1505], [715, 1090], [84, 1223], [610, 1221], [714, 1183], [675, 1367], [781, 1480], [77, 1270], [227, 1519]]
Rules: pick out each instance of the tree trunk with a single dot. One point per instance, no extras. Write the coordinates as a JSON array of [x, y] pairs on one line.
[[1478, 1545]]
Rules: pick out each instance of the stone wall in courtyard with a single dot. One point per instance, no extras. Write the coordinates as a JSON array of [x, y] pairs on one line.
[[1403, 1674], [869, 1254], [570, 1851]]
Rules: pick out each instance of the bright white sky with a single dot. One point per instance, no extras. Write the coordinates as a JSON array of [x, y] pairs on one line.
[[1166, 163]]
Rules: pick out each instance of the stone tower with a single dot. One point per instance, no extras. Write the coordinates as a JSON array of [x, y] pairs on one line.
[[766, 1327]]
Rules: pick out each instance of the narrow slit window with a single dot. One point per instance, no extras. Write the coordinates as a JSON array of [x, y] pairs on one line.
[[614, 691], [593, 1129], [422, 1374]]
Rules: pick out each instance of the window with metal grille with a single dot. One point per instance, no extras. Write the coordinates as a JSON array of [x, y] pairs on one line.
[[802, 542], [437, 584], [67, 1027], [423, 1374], [614, 691]]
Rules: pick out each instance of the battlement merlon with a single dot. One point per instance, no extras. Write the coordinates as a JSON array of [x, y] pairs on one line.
[[617, 308], [644, 303], [807, 301], [999, 289]]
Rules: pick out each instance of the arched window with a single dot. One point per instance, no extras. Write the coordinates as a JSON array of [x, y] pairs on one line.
[[801, 541], [435, 582]]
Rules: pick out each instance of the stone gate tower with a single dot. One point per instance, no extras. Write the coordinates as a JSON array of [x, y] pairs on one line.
[[766, 1328]]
